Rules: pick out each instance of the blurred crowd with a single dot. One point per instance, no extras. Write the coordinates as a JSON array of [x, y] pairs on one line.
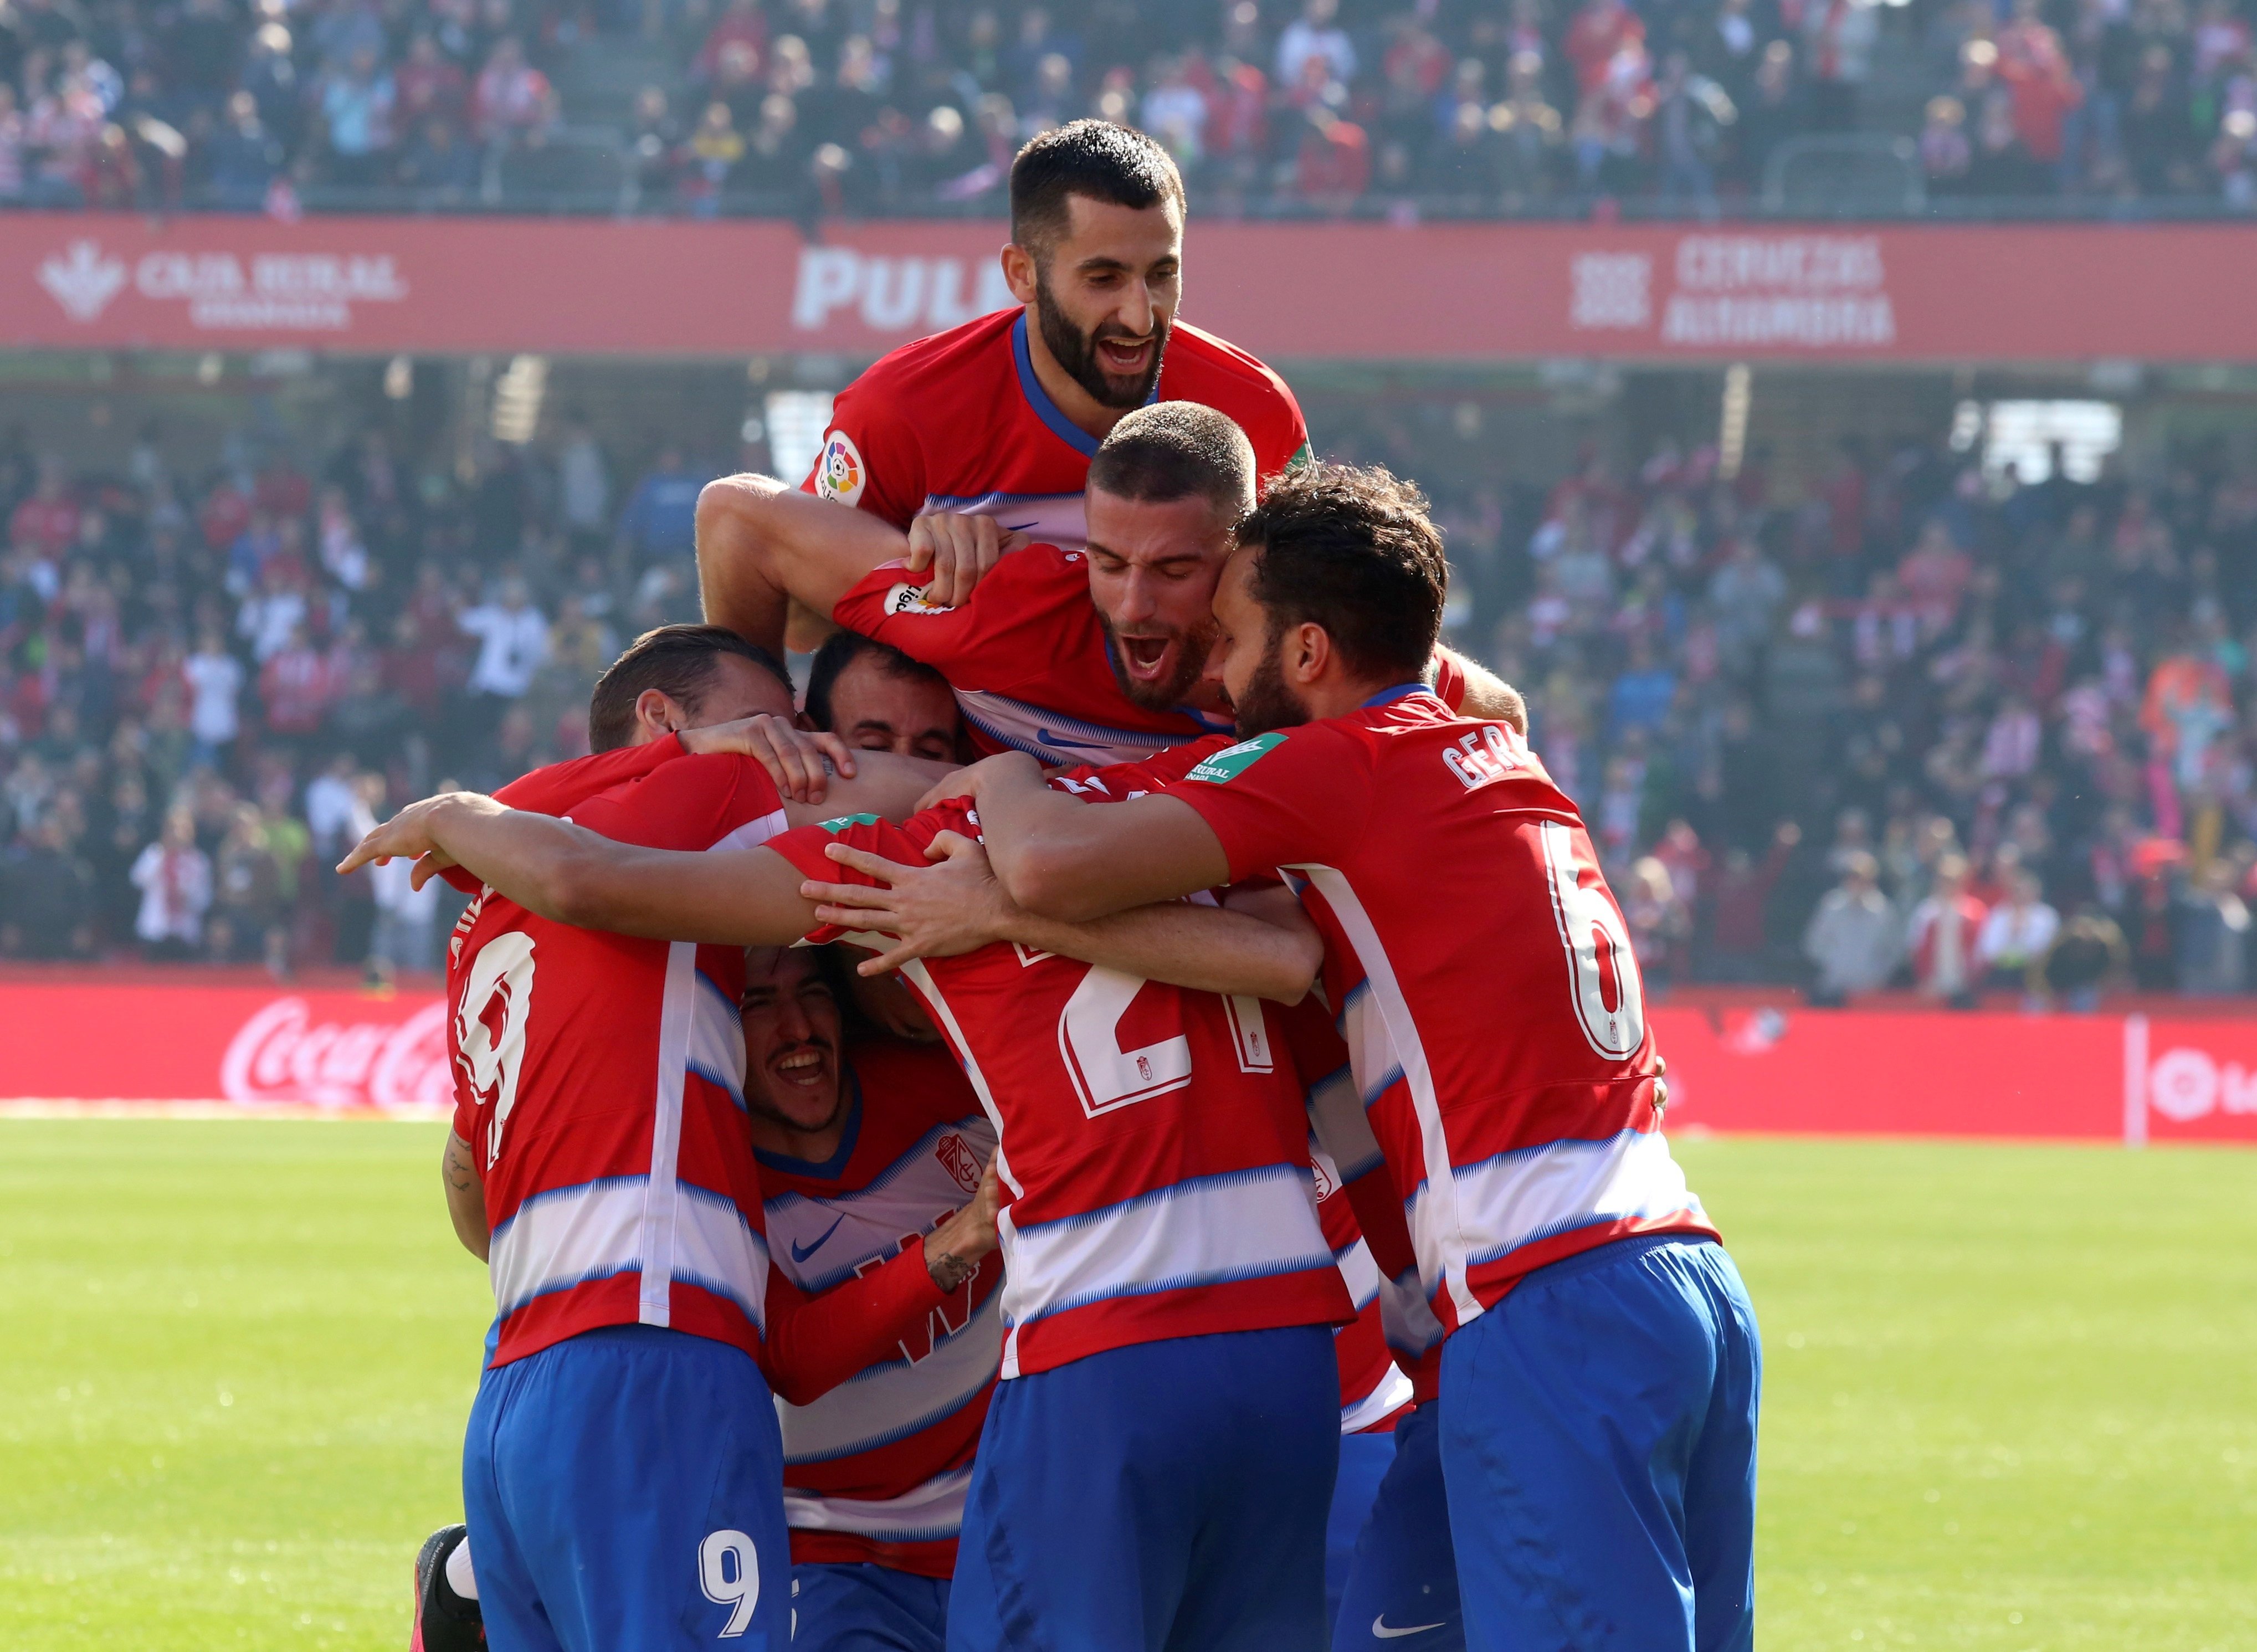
[[849, 106], [210, 684], [1919, 726], [1911, 723]]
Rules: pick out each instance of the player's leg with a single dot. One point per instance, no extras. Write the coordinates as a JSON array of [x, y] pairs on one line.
[[1571, 1413], [1167, 1494], [867, 1609], [1269, 1453], [446, 1613], [642, 1474], [1363, 1463], [1404, 1584], [1719, 1488], [509, 1602]]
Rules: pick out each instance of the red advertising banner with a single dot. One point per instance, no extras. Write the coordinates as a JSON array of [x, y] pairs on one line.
[[2132, 1079], [2160, 292], [257, 1047]]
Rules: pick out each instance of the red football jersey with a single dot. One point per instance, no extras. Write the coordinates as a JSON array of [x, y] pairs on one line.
[[599, 1080], [1153, 1148], [1490, 1002], [875, 1470], [958, 421]]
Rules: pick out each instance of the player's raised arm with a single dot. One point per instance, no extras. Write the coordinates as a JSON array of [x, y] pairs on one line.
[[1473, 690], [735, 897], [1262, 947], [762, 545]]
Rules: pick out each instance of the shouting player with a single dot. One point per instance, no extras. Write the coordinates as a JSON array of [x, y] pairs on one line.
[[622, 1473], [1159, 1457], [1090, 654], [1600, 1379], [992, 424]]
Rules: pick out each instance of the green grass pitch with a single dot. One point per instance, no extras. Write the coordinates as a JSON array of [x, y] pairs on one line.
[[2012, 1400]]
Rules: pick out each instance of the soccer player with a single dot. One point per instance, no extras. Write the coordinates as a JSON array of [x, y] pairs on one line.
[[1091, 654], [622, 1473], [1159, 1455], [877, 699], [998, 419], [1600, 1379], [865, 1143]]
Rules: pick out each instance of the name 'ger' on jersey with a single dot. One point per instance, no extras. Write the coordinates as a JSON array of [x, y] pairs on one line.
[[958, 421], [1541, 1140], [875, 1470]]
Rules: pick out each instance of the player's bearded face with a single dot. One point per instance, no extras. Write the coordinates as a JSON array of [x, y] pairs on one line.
[[1083, 352], [1266, 701], [1180, 653]]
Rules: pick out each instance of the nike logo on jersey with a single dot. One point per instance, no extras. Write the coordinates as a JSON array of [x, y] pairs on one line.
[[1381, 1632], [800, 1254]]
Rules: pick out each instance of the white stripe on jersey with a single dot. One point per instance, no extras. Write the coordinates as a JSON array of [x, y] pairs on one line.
[[676, 1010], [1358, 1272], [1206, 1231], [934, 1510], [717, 1039], [843, 1231], [1393, 1392], [1055, 737], [1517, 1198], [882, 1403], [569, 1235], [1383, 1036]]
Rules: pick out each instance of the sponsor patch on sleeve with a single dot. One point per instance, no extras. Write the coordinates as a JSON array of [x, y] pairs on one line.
[[841, 475], [911, 599], [845, 822], [1234, 760]]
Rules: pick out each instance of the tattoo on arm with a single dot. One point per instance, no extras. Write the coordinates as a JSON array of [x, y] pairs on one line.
[[461, 1175], [950, 1271]]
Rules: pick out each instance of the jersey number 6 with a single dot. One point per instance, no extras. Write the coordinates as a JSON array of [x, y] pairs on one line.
[[1610, 998]]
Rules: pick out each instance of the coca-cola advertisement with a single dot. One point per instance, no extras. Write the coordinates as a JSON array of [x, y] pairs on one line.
[[259, 1048]]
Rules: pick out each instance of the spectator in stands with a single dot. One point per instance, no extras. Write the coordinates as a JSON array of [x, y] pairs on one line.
[[47, 905], [512, 641], [214, 679], [243, 159], [512, 97], [2016, 935], [1942, 933], [660, 518], [357, 111], [175, 881], [2212, 932], [1852, 937], [2087, 955]]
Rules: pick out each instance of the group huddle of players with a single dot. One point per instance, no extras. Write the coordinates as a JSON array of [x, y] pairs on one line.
[[1191, 1179]]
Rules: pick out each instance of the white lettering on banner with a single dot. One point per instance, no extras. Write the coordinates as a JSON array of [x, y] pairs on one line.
[[1610, 290], [893, 295], [282, 1055], [1817, 292], [2186, 1084], [292, 292]]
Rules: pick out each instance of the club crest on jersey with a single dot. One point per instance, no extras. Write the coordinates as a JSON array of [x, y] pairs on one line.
[[911, 599], [841, 473], [1234, 760], [956, 1157]]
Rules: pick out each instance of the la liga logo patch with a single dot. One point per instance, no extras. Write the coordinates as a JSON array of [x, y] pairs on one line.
[[840, 473]]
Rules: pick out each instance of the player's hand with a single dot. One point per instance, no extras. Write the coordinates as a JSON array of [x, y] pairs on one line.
[[953, 1250], [934, 912], [799, 762], [1660, 1084], [968, 780], [960, 549], [413, 832]]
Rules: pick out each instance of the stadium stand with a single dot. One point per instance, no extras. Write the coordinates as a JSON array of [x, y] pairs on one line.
[[1911, 720], [1464, 108]]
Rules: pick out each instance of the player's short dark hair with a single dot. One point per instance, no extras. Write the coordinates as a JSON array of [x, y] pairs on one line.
[[1117, 164], [678, 661], [841, 649], [1174, 450], [1351, 548]]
